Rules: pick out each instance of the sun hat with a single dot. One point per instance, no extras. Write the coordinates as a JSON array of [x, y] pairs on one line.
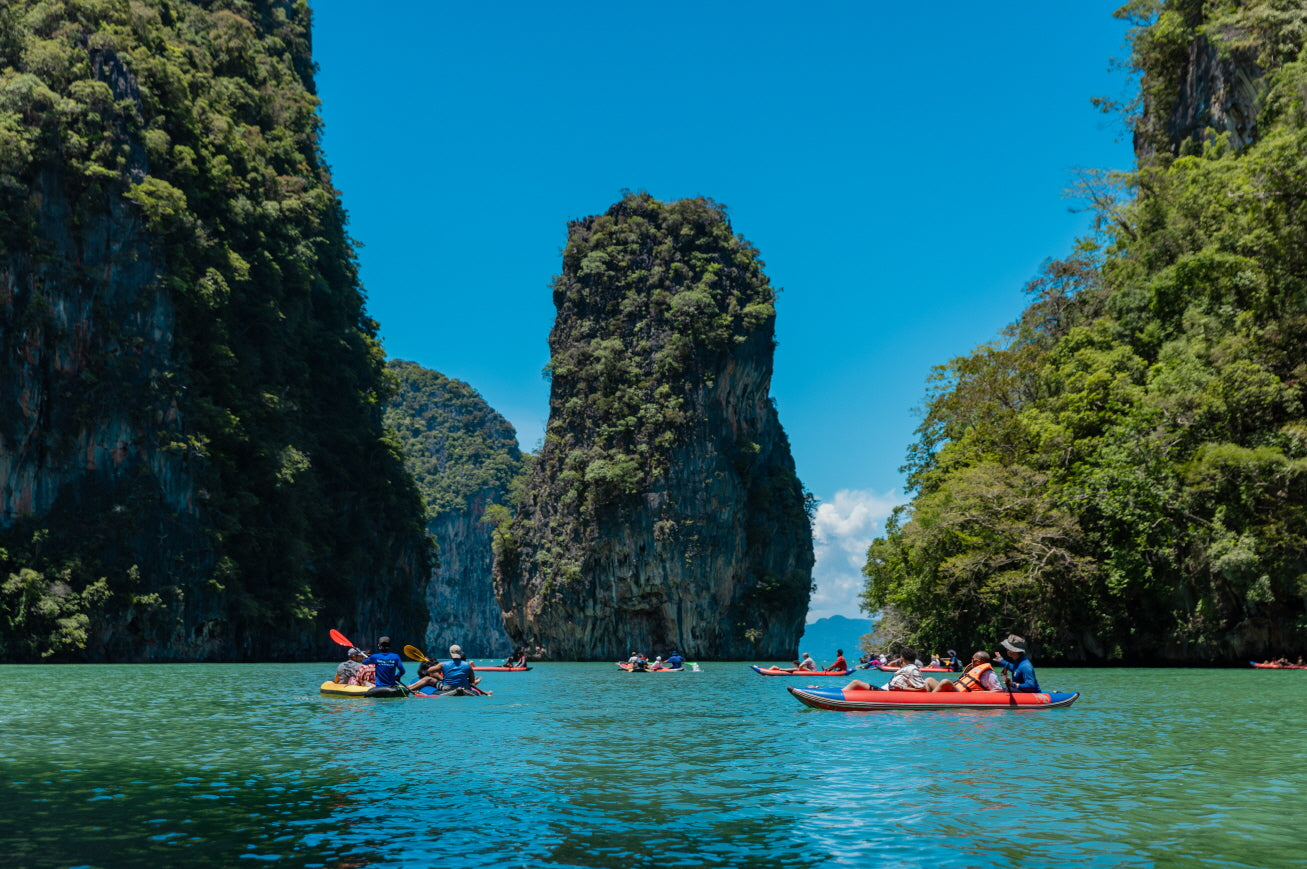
[[1013, 643], [455, 651]]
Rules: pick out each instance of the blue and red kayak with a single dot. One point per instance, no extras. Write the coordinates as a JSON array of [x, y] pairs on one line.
[[862, 700], [776, 671]]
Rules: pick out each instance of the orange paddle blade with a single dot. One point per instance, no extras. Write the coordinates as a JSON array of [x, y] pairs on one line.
[[338, 638]]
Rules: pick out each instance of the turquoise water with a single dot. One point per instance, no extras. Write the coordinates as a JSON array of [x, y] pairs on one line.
[[585, 765]]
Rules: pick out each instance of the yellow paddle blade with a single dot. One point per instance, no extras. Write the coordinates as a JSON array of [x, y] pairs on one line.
[[414, 654]]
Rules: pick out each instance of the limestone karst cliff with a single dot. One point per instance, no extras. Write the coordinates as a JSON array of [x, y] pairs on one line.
[[664, 510], [465, 460], [192, 462]]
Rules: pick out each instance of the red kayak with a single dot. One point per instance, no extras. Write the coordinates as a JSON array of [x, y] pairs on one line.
[[1278, 666], [867, 701], [773, 671], [481, 669]]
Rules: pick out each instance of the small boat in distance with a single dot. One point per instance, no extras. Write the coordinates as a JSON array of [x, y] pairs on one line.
[[777, 671]]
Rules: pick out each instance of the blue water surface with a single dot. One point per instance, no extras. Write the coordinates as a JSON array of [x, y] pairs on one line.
[[589, 766]]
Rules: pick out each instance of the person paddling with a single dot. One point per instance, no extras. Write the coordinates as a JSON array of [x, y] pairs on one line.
[[840, 662], [1018, 668], [390, 668]]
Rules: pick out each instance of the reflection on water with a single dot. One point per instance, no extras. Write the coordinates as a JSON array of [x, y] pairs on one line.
[[585, 765]]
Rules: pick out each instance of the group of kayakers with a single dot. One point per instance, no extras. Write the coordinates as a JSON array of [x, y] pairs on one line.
[[382, 671], [638, 662], [978, 675]]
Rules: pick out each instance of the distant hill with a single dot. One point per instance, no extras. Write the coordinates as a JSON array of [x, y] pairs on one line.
[[824, 636]]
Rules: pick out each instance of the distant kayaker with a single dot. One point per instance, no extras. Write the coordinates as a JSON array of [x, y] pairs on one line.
[[517, 660], [978, 676], [840, 663], [390, 668], [638, 662], [806, 664], [954, 663], [1018, 668], [348, 671], [675, 661]]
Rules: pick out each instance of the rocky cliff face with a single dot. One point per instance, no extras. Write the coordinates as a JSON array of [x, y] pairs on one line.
[[664, 510], [192, 466], [465, 459]]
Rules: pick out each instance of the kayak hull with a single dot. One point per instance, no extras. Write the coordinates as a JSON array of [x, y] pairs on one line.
[[839, 700], [334, 690], [1278, 666], [803, 674], [629, 669], [481, 669]]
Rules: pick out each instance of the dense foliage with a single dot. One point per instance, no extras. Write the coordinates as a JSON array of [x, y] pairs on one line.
[[1123, 475], [655, 295], [194, 125], [455, 446]]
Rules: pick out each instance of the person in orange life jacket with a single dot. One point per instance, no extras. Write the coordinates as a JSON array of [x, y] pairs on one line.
[[978, 676], [1019, 667], [908, 678], [390, 668]]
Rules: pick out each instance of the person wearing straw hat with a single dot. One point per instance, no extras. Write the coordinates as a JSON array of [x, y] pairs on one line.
[[1017, 666]]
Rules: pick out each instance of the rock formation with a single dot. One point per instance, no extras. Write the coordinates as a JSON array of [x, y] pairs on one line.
[[192, 463], [465, 460], [664, 510]]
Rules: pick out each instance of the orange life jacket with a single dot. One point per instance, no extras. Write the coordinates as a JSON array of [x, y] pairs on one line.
[[970, 678]]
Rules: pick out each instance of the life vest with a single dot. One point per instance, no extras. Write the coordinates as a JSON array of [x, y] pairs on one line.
[[970, 679]]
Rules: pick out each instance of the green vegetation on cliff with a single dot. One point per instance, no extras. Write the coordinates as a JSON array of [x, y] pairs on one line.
[[455, 446], [1123, 476], [160, 175]]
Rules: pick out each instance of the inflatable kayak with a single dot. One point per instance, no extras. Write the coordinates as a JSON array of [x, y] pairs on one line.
[[350, 690], [773, 671], [481, 669], [865, 701], [1278, 666], [628, 668]]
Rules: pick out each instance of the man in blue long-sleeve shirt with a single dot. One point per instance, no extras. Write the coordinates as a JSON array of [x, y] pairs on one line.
[[389, 670], [1022, 672]]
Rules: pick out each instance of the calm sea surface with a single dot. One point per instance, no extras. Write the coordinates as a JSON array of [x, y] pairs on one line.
[[586, 765]]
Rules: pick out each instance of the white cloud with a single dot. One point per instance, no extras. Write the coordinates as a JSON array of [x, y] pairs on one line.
[[841, 532]]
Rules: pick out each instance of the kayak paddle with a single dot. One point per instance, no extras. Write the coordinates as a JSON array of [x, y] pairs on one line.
[[339, 639]]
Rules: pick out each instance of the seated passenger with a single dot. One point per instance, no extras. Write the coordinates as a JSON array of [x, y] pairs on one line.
[[978, 676], [348, 671], [908, 677]]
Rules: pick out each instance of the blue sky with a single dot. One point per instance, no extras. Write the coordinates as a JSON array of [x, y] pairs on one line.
[[900, 168]]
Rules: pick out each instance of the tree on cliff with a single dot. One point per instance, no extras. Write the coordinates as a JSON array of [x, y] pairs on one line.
[[193, 460], [664, 509], [1124, 475], [466, 463]]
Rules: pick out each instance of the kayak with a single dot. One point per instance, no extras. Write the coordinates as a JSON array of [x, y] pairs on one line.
[[773, 671], [336, 690], [451, 692], [350, 690], [481, 669], [1278, 666], [861, 700], [627, 667]]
